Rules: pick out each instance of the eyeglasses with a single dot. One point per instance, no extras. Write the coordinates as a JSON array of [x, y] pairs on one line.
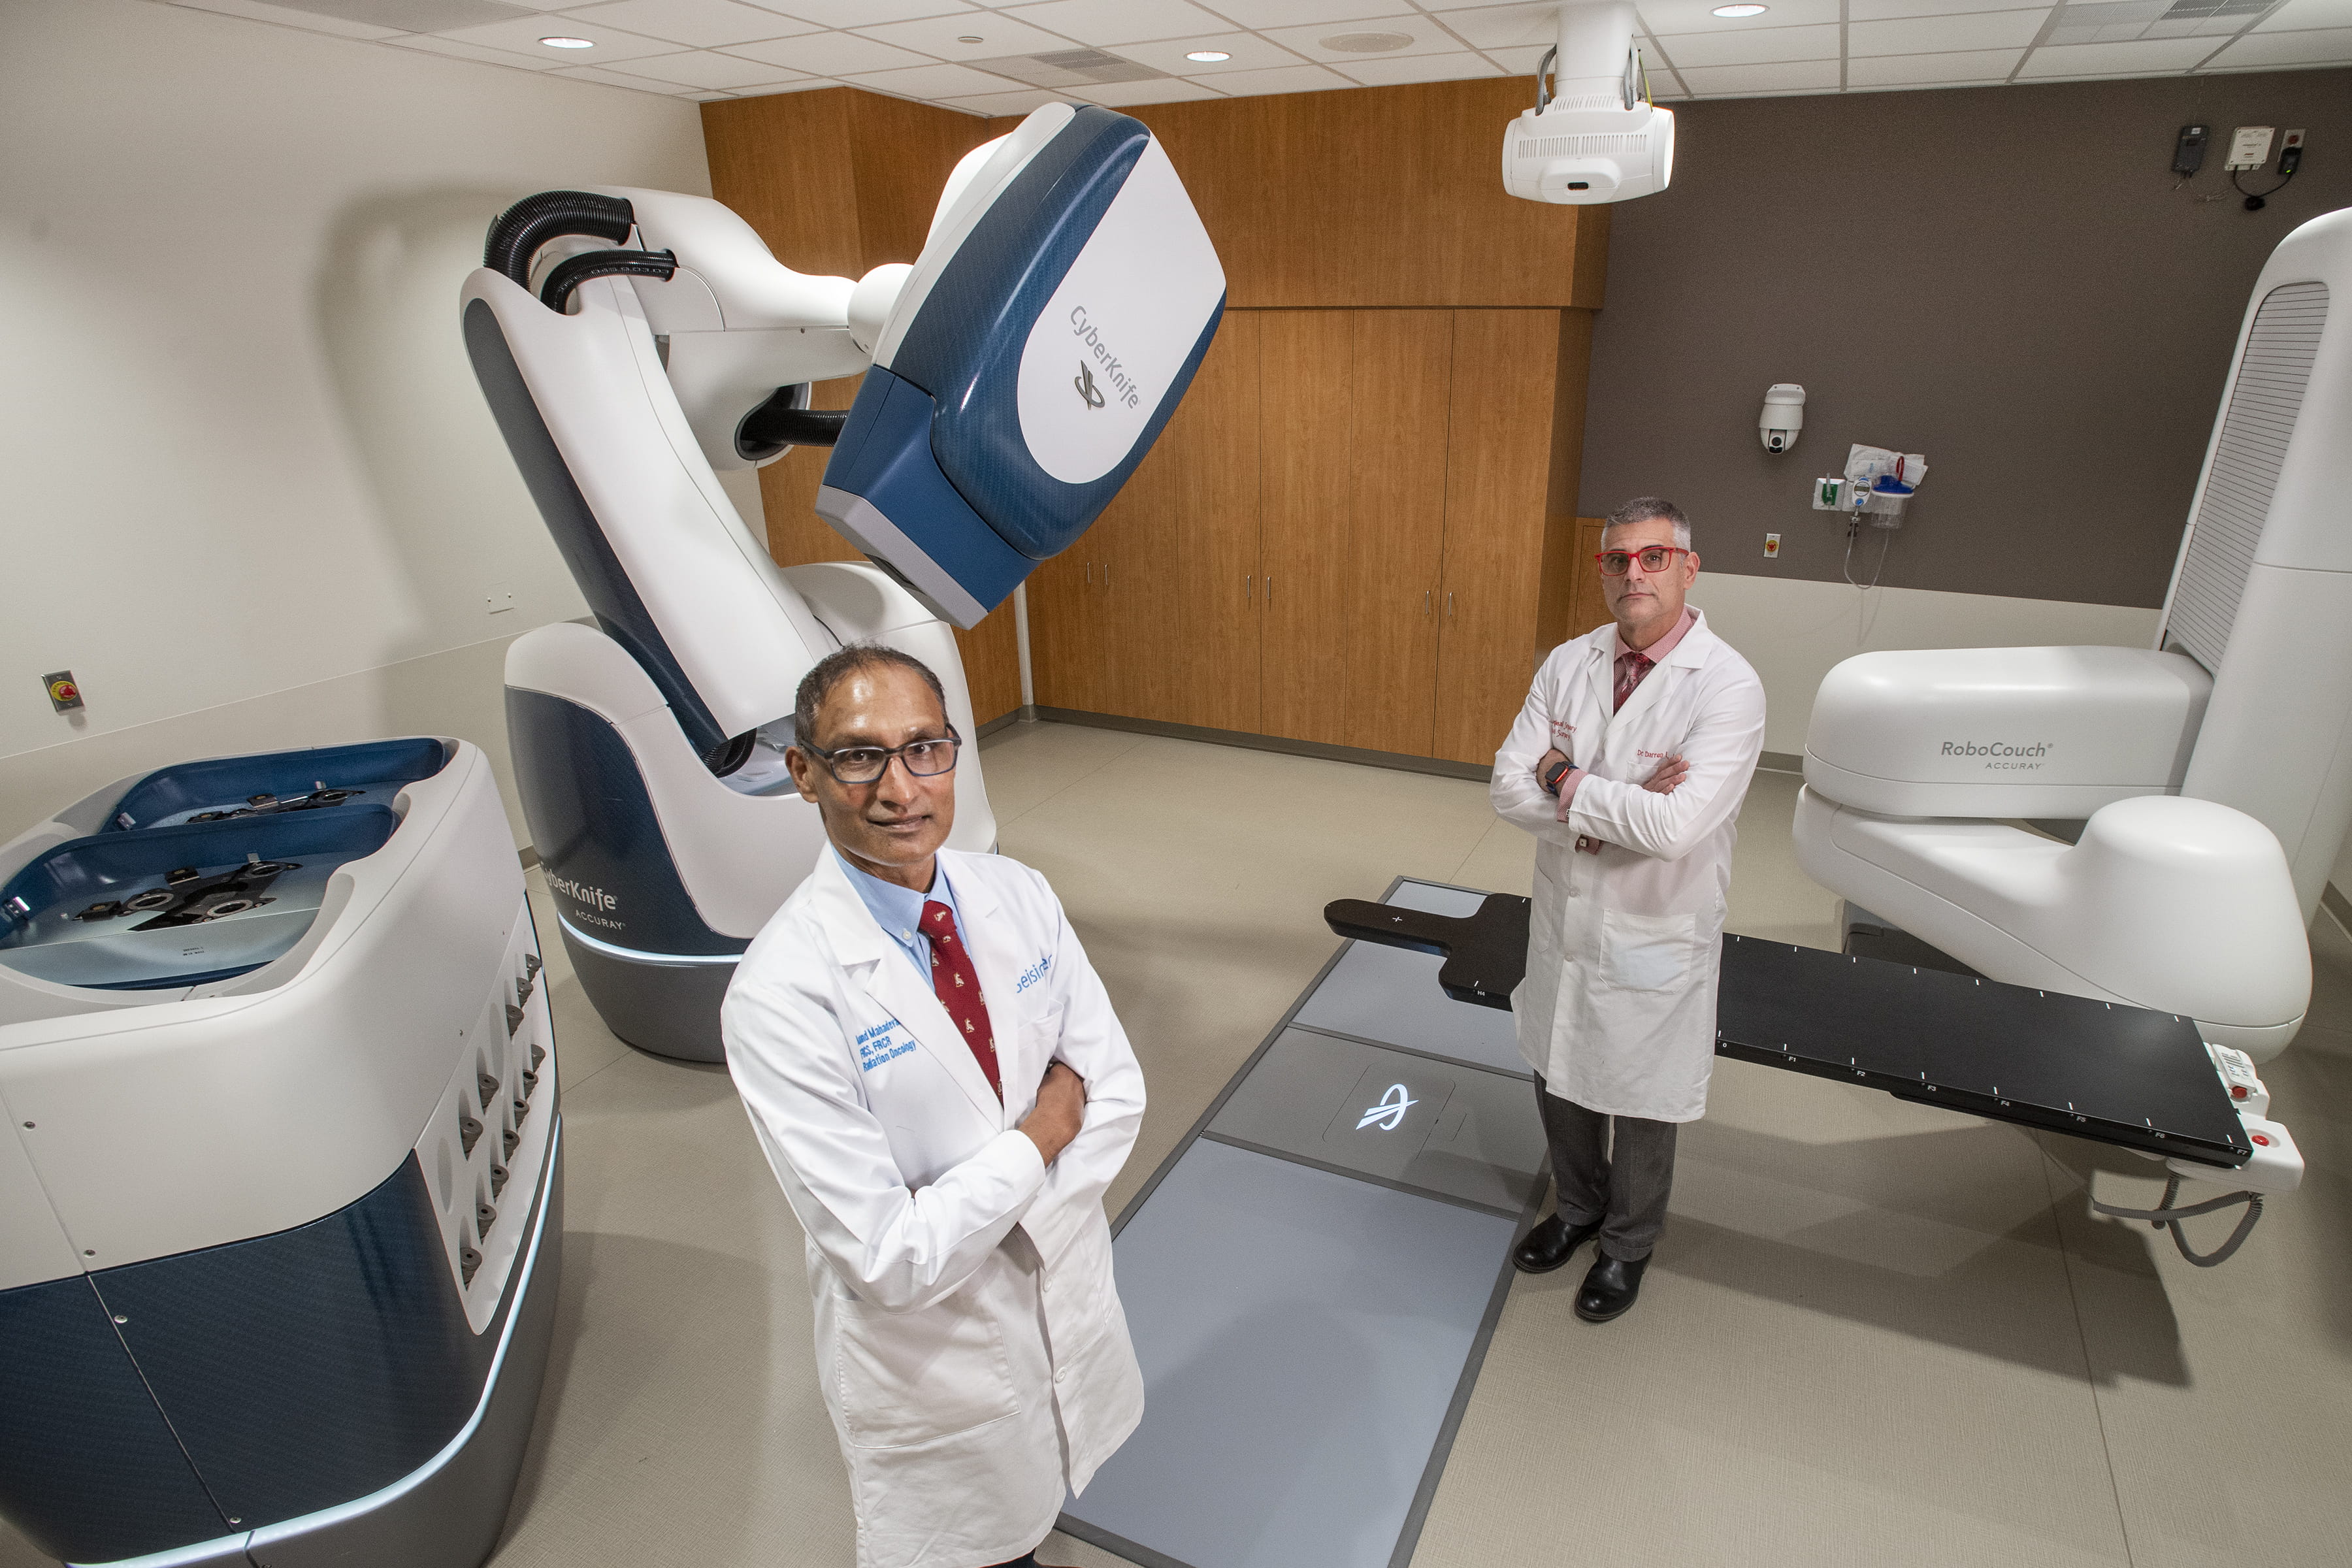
[[864, 764], [1652, 557]]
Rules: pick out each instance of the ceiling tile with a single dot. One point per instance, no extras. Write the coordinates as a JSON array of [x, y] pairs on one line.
[[1731, 81], [1886, 10], [522, 37], [2297, 15], [860, 13], [1698, 15], [1284, 79], [2318, 47], [1002, 104], [833, 54], [701, 68], [1120, 21], [1381, 71], [457, 49], [704, 24], [1126, 94], [1428, 38], [943, 35], [618, 79], [1504, 27], [1523, 60], [1766, 48], [930, 82], [1293, 13], [2149, 56], [287, 16], [1936, 35], [1915, 70], [1249, 52]]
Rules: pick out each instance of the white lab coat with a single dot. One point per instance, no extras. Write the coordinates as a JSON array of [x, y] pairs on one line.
[[1617, 1011], [970, 1341]]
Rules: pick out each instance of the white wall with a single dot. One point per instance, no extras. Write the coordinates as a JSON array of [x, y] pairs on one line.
[[1794, 631], [251, 493]]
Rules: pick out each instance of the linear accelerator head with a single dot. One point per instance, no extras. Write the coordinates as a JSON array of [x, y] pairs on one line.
[[1060, 307]]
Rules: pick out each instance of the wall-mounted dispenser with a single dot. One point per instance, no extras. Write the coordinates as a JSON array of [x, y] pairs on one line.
[[1876, 484]]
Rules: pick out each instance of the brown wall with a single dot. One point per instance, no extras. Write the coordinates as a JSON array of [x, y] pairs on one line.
[[2003, 279], [1378, 196]]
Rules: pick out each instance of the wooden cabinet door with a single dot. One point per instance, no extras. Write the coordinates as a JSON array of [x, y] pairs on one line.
[[1065, 652], [1497, 474], [1586, 607], [1306, 387], [1403, 362], [1213, 447]]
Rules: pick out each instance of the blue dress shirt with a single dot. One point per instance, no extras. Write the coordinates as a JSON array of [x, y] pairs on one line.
[[899, 911]]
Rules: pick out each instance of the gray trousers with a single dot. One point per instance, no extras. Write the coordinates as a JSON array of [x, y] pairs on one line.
[[1625, 1186]]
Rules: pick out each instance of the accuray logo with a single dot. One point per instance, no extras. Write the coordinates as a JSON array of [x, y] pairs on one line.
[[1113, 368], [593, 897]]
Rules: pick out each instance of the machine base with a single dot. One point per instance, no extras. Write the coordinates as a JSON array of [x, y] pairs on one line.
[[665, 1009]]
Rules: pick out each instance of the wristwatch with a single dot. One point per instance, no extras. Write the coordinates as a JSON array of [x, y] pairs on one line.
[[1552, 776]]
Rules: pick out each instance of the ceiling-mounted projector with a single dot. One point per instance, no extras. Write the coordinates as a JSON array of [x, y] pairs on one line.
[[1593, 135]]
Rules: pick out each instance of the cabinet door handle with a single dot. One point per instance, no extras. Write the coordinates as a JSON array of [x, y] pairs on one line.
[[1269, 587], [1249, 587], [1106, 573], [1424, 601], [1090, 572], [1449, 604]]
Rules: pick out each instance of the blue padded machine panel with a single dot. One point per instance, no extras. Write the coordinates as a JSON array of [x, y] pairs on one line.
[[593, 821], [369, 773]]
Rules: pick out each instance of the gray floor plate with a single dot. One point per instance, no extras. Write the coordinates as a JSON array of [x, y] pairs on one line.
[[1312, 1275], [1302, 1335], [1388, 994], [1454, 1131]]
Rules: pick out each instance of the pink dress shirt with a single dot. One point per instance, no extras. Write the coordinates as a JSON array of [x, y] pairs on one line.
[[1656, 654]]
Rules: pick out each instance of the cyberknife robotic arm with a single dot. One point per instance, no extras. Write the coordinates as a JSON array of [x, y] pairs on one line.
[[633, 343]]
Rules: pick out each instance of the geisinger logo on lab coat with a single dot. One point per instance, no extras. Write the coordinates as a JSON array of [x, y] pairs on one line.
[[1390, 1112]]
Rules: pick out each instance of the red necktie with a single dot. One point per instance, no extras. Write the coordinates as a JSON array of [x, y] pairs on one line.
[[1630, 668], [957, 983]]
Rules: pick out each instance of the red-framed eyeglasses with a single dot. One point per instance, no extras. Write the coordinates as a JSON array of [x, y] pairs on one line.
[[1652, 557]]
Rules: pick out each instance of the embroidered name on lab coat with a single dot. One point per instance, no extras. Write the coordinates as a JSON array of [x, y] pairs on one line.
[[878, 1044]]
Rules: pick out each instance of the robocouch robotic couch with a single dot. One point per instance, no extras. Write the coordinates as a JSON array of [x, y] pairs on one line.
[[280, 1180]]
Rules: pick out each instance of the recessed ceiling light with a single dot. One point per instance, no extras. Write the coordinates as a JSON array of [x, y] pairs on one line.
[[568, 43], [1740, 10], [1208, 57]]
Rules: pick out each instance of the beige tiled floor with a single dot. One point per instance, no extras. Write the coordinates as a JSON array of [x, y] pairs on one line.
[[1876, 1333]]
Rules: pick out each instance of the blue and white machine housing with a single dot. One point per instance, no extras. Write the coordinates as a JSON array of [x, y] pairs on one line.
[[632, 343], [280, 1178]]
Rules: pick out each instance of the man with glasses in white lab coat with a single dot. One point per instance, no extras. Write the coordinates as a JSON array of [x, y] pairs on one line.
[[1628, 762], [940, 1086]]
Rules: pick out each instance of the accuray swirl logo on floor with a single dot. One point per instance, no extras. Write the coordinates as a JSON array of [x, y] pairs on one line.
[[1388, 1114]]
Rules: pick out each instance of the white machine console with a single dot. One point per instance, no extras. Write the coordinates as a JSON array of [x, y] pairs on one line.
[[2210, 778], [280, 1182]]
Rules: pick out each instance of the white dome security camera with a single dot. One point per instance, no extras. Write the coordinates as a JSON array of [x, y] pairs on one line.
[[1783, 416]]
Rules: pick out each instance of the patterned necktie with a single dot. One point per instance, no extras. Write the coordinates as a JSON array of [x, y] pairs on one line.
[[1630, 668], [957, 983]]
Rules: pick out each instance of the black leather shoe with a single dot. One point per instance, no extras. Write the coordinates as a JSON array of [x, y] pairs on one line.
[[1550, 1244], [1610, 1288]]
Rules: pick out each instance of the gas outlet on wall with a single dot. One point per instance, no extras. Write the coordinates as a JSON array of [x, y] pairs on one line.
[[497, 600]]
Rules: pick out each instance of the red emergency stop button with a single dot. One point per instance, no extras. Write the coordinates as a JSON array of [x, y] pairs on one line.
[[2237, 1092], [2263, 1139]]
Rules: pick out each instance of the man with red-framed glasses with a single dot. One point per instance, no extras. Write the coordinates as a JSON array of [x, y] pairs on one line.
[[1628, 762]]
